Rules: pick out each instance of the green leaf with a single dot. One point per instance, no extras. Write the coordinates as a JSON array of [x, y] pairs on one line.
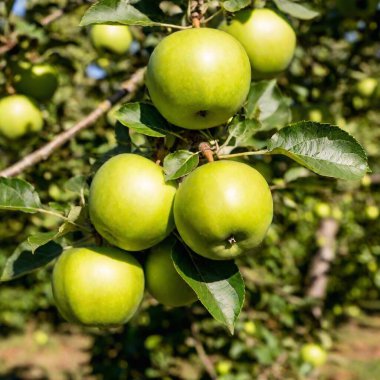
[[19, 195], [77, 185], [298, 10], [267, 105], [37, 240], [179, 163], [243, 130], [143, 118], [325, 149], [23, 261], [218, 284], [40, 239], [235, 5], [115, 12]]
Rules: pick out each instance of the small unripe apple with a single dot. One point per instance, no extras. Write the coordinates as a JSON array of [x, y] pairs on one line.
[[40, 81], [268, 39], [323, 210], [130, 203], [198, 78], [114, 38], [163, 281], [223, 209], [97, 286], [366, 87], [18, 116], [372, 212], [313, 354]]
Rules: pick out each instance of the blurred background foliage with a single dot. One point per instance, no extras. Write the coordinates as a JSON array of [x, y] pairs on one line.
[[337, 52]]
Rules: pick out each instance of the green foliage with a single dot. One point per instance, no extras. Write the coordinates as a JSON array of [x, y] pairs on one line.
[[333, 54]]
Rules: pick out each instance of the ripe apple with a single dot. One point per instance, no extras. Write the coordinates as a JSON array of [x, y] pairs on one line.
[[223, 209], [18, 116], [198, 78], [356, 8], [130, 203], [313, 354], [114, 38], [39, 81], [267, 38], [97, 286], [163, 281], [366, 87]]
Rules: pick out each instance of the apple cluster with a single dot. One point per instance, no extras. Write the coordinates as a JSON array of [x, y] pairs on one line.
[[197, 78]]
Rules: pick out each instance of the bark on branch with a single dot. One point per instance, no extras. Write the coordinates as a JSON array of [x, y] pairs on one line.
[[321, 263], [129, 88]]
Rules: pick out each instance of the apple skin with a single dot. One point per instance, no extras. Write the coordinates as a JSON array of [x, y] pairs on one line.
[[163, 281], [114, 38], [268, 39], [198, 78], [97, 286], [130, 203], [40, 81], [313, 354], [18, 116], [223, 201]]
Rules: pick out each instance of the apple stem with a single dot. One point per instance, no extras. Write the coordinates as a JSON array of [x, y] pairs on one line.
[[206, 150], [196, 12]]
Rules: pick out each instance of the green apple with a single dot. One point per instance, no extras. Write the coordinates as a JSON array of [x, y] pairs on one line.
[[268, 39], [357, 8], [40, 81], [198, 78], [372, 212], [18, 116], [223, 209], [130, 203], [163, 281], [114, 38], [313, 354], [97, 286], [322, 209], [366, 87]]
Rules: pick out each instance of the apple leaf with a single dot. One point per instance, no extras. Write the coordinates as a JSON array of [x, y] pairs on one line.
[[325, 149], [143, 118], [235, 5], [77, 185], [218, 284], [18, 195], [23, 261], [243, 130], [298, 10], [115, 12], [180, 163], [267, 105]]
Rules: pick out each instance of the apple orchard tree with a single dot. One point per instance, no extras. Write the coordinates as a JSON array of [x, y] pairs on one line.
[[181, 194]]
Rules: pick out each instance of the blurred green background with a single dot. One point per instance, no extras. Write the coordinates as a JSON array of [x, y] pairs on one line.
[[334, 78]]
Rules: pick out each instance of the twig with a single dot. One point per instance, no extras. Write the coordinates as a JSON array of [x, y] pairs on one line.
[[206, 150], [196, 12], [209, 367], [129, 87], [52, 17], [322, 261], [242, 154]]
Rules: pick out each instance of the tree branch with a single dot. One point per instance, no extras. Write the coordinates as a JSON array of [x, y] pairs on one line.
[[129, 88], [209, 367], [206, 150], [321, 263]]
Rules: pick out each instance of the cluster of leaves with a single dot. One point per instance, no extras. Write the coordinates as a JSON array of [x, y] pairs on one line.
[[322, 77]]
